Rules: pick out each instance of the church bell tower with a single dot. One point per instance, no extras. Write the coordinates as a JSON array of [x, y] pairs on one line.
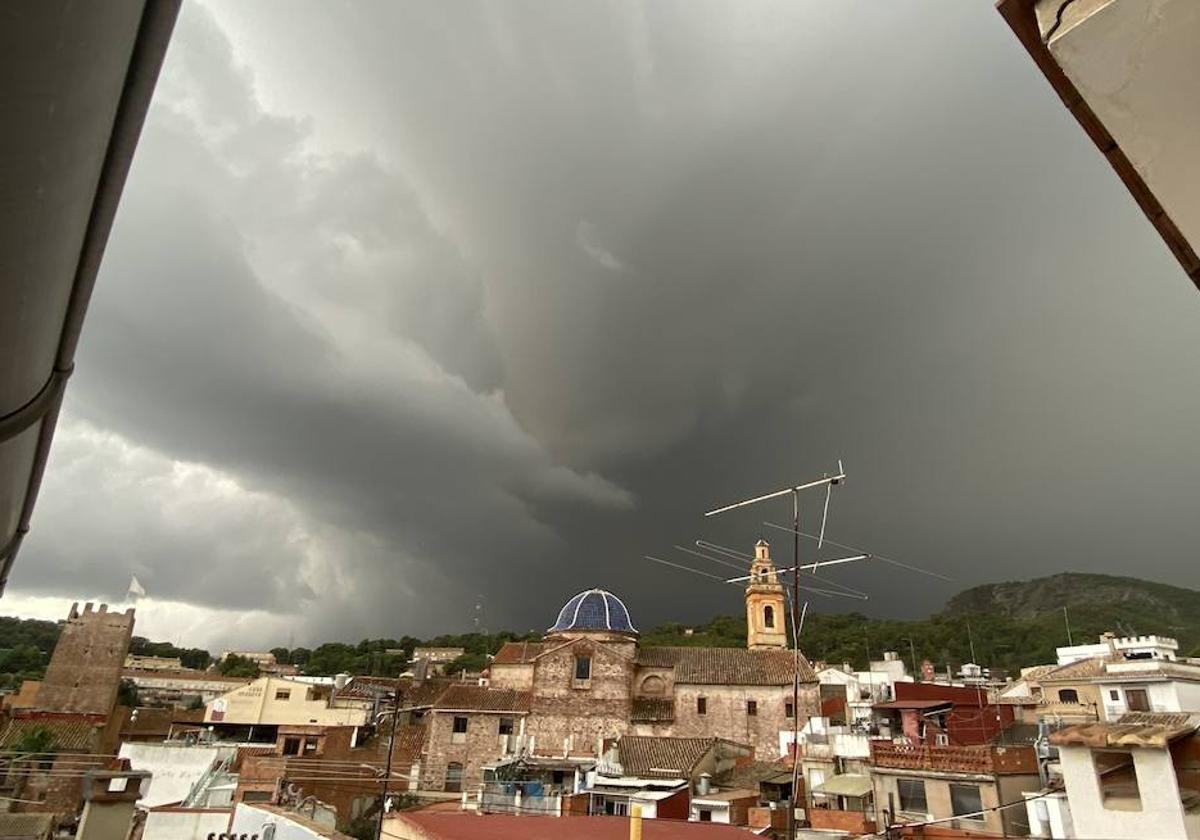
[[765, 606]]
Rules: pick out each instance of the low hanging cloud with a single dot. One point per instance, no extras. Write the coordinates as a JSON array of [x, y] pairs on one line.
[[493, 299]]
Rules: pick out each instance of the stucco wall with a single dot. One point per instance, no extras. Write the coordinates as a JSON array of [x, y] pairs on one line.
[[184, 824], [1161, 814], [256, 703], [174, 769], [938, 803], [249, 820]]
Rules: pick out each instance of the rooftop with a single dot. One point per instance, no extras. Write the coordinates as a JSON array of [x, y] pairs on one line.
[[648, 756], [727, 666], [459, 826], [478, 698], [1136, 729]]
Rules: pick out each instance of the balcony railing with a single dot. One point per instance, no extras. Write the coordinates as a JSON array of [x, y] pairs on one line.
[[984, 759]]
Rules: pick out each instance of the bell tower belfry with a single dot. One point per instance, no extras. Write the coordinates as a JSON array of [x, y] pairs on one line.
[[765, 617]]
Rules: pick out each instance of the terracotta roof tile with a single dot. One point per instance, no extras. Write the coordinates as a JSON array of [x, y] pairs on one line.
[[424, 692], [652, 710], [727, 666], [410, 741], [479, 698], [518, 653], [71, 734], [647, 756], [1081, 669], [26, 825]]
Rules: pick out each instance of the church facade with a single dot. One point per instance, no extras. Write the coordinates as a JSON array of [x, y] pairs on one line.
[[590, 681]]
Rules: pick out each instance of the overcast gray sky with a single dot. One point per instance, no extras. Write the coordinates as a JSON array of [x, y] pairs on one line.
[[413, 303]]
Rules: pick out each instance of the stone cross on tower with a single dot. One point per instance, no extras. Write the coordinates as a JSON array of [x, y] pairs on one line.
[[765, 604]]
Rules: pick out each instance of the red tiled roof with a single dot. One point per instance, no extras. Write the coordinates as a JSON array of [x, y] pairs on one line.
[[727, 666], [423, 693], [479, 698], [652, 710], [646, 755], [460, 826], [71, 733], [410, 741], [518, 653]]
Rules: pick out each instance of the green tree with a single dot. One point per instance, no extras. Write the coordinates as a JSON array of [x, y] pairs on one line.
[[237, 666], [35, 740], [282, 655]]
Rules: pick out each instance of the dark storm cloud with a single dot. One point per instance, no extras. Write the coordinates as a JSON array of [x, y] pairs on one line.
[[573, 255]]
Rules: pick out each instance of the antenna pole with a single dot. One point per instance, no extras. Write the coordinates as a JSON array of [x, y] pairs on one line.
[[1067, 619], [796, 676]]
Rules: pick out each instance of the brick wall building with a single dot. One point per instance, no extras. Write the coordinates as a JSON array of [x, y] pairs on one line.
[[84, 673], [589, 681]]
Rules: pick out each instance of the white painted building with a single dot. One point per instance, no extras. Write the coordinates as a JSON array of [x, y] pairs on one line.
[[279, 824], [1127, 647], [175, 768], [176, 823], [1121, 780]]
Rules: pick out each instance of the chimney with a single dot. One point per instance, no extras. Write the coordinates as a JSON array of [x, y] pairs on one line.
[[703, 784]]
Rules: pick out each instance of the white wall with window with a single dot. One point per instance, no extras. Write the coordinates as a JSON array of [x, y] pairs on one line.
[[1115, 794]]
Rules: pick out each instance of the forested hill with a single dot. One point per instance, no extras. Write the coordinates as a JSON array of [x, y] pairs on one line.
[[1011, 625]]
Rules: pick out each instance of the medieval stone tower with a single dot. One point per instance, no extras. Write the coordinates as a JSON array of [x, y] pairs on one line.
[[84, 673], [765, 603]]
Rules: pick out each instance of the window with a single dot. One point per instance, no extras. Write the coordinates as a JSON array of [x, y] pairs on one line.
[[1119, 790], [752, 708], [310, 746], [941, 739], [1114, 695], [1137, 700], [705, 813], [283, 693], [583, 668], [701, 705], [458, 732], [789, 710], [912, 795], [768, 616], [454, 773], [964, 800], [291, 746], [1068, 695], [506, 726]]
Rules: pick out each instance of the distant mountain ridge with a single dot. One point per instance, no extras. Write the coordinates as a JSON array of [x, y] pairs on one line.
[[1142, 606], [1006, 625]]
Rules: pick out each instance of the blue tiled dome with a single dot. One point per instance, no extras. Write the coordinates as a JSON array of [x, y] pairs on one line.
[[594, 609]]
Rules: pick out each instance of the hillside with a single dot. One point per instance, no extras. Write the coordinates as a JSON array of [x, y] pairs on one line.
[[1010, 624]]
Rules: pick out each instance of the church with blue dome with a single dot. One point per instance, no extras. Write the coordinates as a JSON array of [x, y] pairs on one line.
[[594, 609], [590, 680]]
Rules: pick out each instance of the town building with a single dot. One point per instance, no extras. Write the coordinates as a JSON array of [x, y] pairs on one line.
[[847, 695], [589, 682], [1120, 674], [180, 689], [270, 702], [84, 674], [72, 722], [1138, 776], [153, 663], [661, 774]]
